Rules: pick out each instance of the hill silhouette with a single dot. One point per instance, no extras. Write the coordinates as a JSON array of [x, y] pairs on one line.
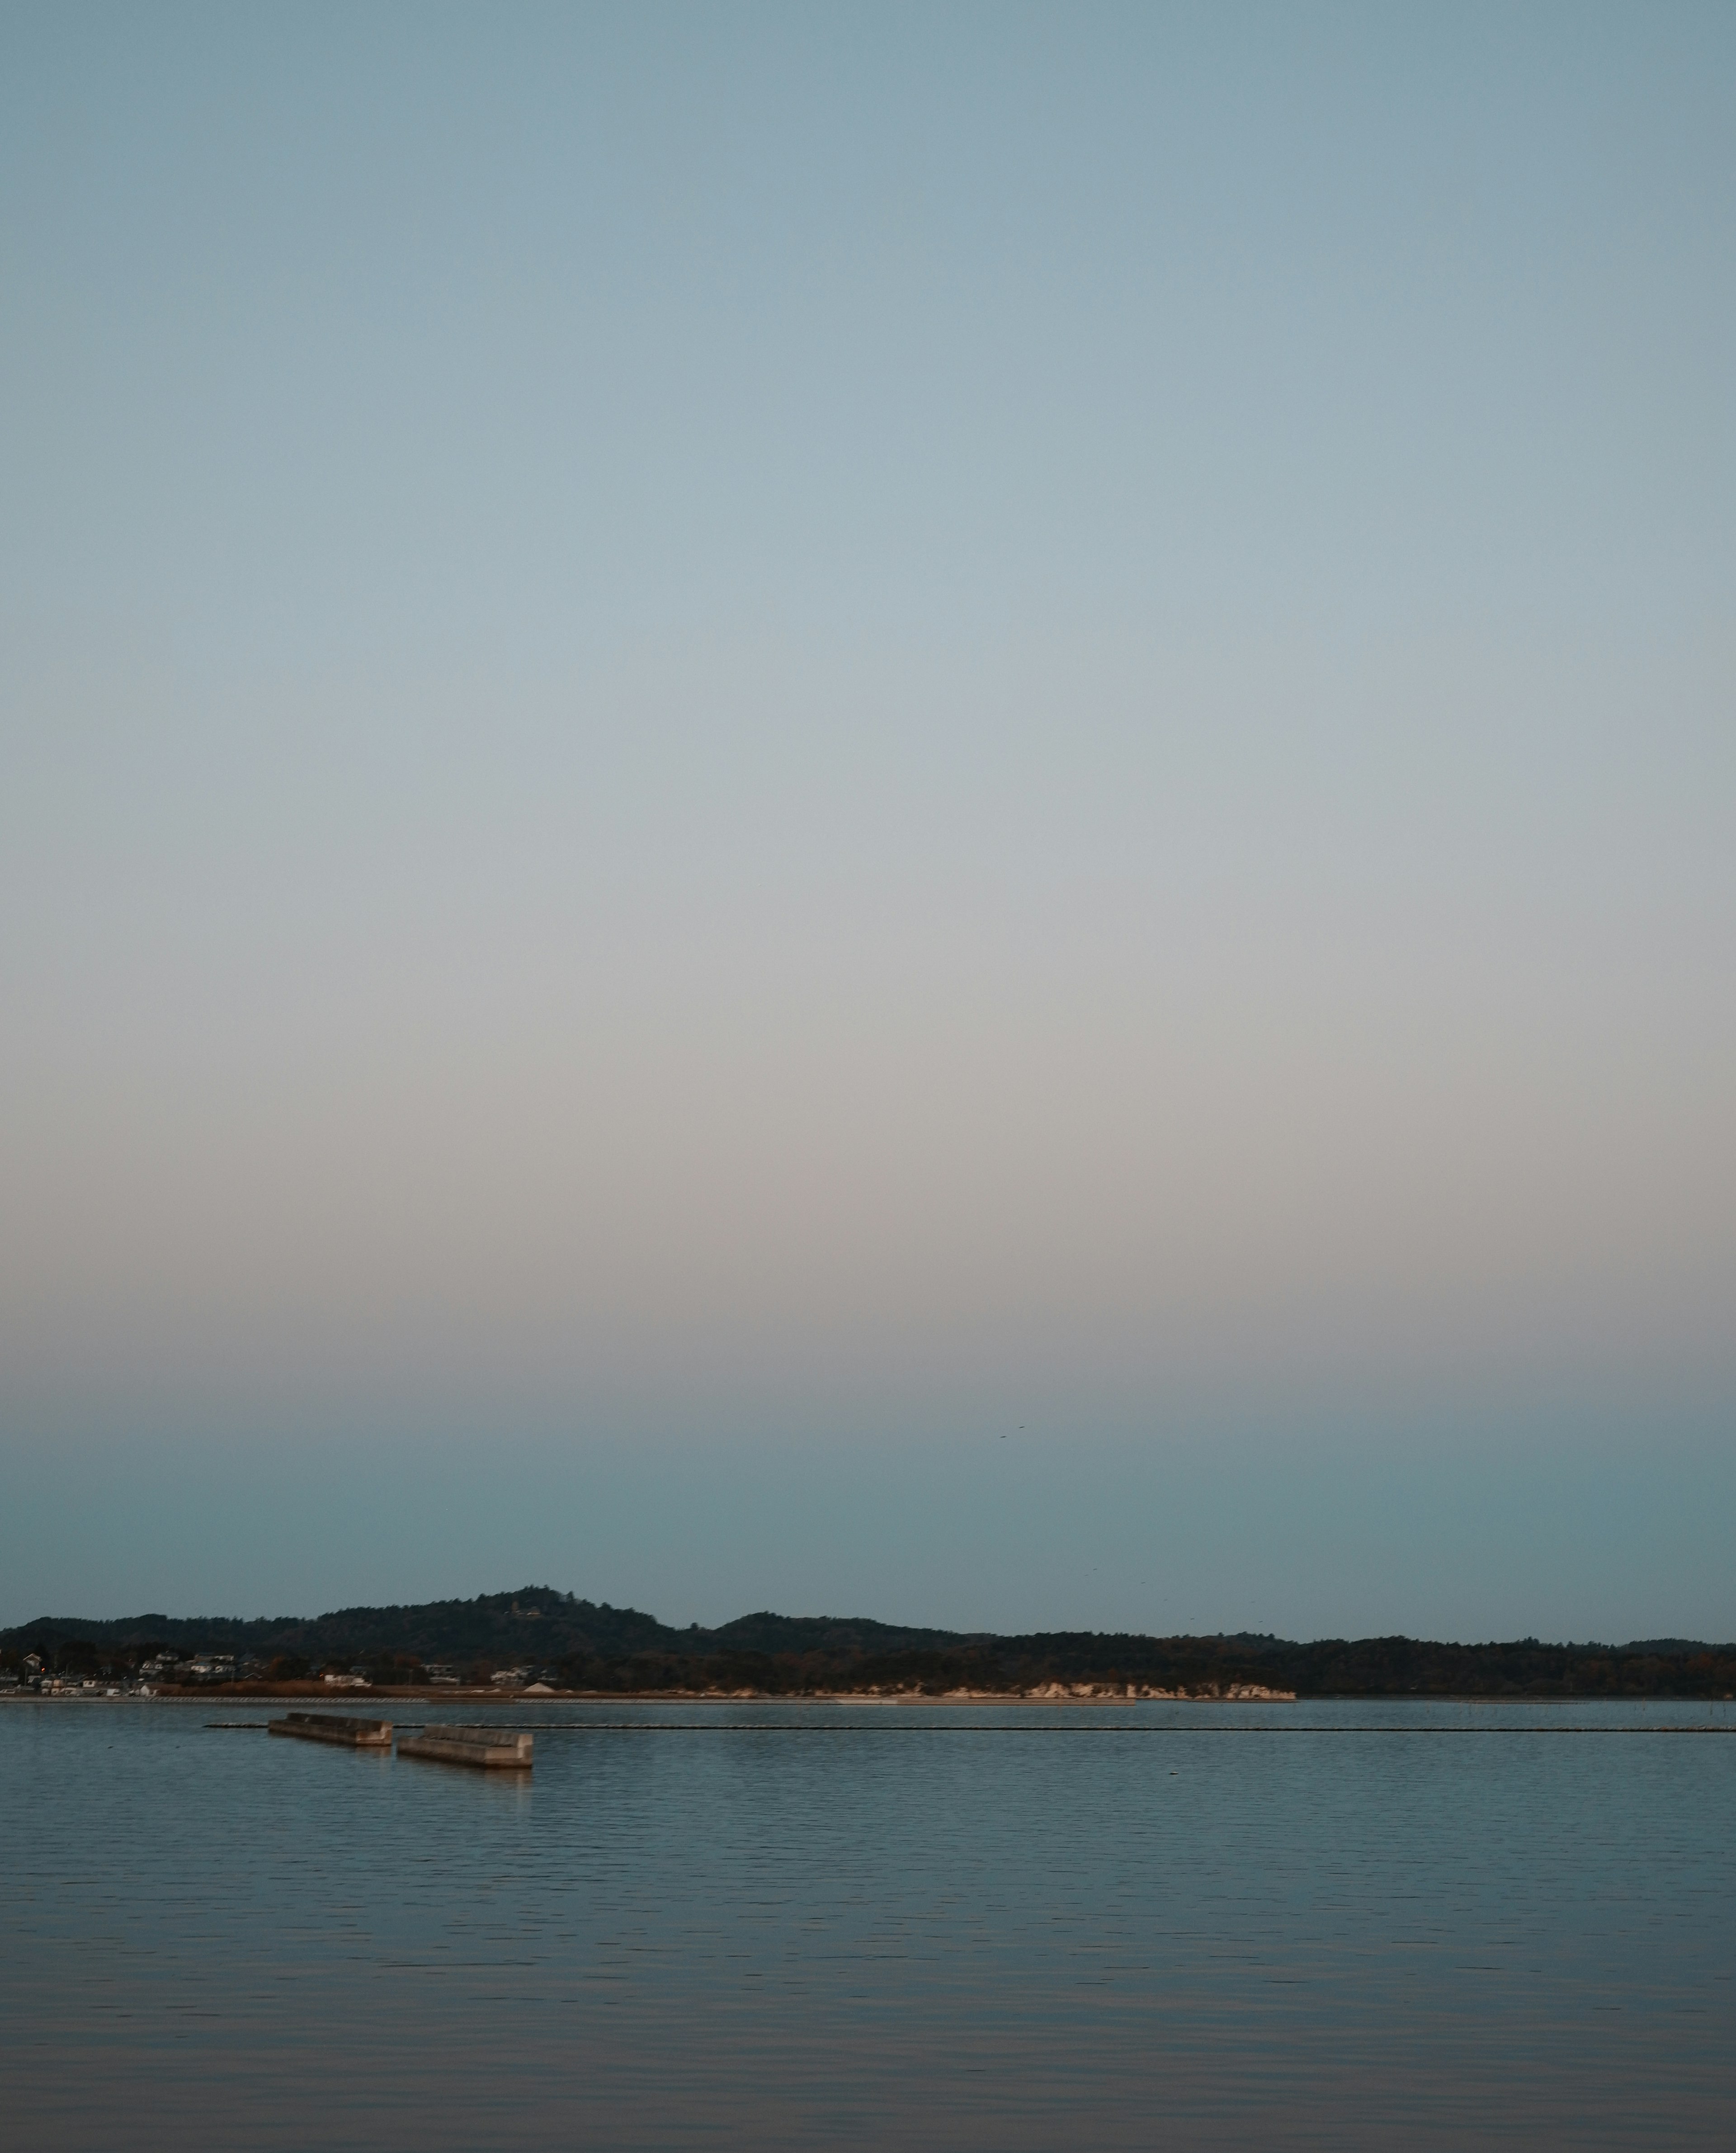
[[586, 1644]]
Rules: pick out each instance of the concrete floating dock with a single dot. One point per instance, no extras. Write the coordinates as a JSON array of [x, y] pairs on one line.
[[494, 1748], [342, 1728]]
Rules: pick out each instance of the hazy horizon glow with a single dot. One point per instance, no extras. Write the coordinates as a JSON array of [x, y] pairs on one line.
[[916, 809]]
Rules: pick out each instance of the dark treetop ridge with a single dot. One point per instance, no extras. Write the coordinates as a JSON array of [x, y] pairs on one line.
[[581, 1644]]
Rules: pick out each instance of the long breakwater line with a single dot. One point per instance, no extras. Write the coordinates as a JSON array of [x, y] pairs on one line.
[[1181, 1726]]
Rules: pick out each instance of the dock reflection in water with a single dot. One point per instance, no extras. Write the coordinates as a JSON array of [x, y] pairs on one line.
[[1320, 1938]]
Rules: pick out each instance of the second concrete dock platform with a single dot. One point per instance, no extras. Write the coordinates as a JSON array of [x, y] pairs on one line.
[[491, 1748]]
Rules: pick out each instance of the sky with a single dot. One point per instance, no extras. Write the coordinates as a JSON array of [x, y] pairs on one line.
[[916, 811]]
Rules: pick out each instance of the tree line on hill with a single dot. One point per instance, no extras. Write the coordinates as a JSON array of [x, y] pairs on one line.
[[579, 1644]]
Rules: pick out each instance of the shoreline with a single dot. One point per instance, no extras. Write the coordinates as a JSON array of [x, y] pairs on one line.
[[338, 1698], [250, 1695]]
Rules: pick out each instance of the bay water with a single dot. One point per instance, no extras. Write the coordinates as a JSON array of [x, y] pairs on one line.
[[838, 1925]]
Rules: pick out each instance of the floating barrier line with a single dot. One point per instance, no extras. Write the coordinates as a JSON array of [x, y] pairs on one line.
[[1046, 1727]]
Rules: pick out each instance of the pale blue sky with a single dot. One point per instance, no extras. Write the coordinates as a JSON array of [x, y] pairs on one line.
[[918, 810]]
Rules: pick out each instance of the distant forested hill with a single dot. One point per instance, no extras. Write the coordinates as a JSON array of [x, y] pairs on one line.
[[587, 1645], [504, 1626]]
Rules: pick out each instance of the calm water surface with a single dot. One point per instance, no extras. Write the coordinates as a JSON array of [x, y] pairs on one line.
[[775, 1931]]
